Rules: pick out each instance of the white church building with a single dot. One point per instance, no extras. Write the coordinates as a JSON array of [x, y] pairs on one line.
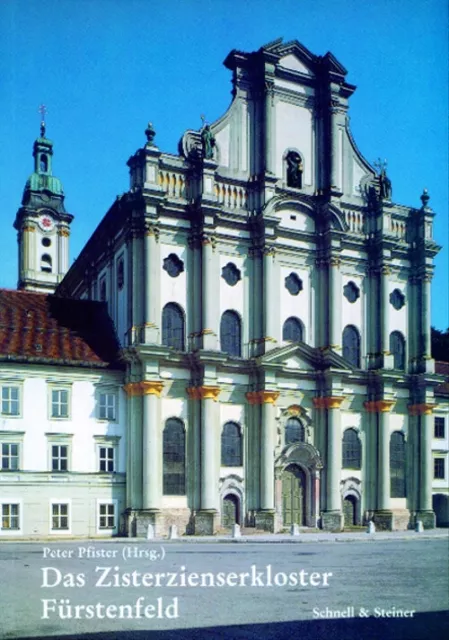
[[245, 338]]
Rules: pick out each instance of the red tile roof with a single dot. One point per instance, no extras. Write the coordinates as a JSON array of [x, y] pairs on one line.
[[36, 327]]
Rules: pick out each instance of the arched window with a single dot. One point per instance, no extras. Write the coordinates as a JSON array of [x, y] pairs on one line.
[[231, 445], [397, 465], [43, 164], [103, 290], [46, 263], [294, 431], [174, 458], [351, 345], [397, 348], [231, 333], [173, 326], [352, 450], [293, 330]]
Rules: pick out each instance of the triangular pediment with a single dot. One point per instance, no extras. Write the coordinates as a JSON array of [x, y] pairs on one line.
[[292, 56], [301, 357]]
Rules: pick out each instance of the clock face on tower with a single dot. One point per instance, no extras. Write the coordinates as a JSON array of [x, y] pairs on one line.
[[46, 223]]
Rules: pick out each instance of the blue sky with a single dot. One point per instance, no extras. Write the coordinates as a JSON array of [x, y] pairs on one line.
[[104, 68]]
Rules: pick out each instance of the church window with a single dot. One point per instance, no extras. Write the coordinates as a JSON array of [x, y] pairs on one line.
[[173, 265], [294, 170], [351, 292], [173, 326], [46, 242], [231, 274], [351, 345], [174, 458], [46, 263], [397, 465], [294, 431], [352, 450], [231, 333], [120, 274], [293, 330], [397, 299], [293, 284], [231, 445], [397, 348], [43, 165]]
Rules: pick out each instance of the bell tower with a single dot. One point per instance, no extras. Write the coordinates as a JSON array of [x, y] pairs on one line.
[[42, 223]]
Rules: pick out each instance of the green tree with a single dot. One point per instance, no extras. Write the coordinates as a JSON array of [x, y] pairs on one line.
[[440, 345]]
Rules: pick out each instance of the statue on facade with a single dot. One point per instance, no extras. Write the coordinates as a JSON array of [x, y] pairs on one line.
[[294, 170], [207, 142], [385, 189]]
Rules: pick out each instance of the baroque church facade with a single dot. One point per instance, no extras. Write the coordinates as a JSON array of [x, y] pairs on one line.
[[267, 356]]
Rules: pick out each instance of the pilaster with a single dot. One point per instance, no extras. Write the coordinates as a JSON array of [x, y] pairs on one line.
[[210, 281], [152, 305]]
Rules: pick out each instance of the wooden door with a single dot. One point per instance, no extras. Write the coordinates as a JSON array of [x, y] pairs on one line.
[[293, 495], [230, 513], [349, 511]]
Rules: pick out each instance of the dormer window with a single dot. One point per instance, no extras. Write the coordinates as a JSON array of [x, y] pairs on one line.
[[294, 169], [43, 165]]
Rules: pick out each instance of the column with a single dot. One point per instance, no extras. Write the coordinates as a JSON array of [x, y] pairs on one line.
[[206, 519], [151, 445], [269, 96], [336, 156], [383, 517], [383, 465], [384, 307], [269, 312], [265, 516], [137, 277], [133, 446], [267, 442], [332, 517], [152, 310], [426, 471], [209, 295], [209, 435], [425, 317], [334, 308]]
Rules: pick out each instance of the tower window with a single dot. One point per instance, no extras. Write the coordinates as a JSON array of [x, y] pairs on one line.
[[43, 164], [46, 242], [293, 330], [46, 263], [231, 333], [351, 345], [294, 431], [173, 326]]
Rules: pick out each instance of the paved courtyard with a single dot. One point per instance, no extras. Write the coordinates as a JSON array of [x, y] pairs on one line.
[[393, 588]]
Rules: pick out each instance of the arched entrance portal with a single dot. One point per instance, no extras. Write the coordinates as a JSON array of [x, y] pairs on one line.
[[350, 511], [230, 511], [293, 495]]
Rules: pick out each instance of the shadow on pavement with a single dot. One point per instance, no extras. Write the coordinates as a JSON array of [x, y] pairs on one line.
[[423, 626]]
